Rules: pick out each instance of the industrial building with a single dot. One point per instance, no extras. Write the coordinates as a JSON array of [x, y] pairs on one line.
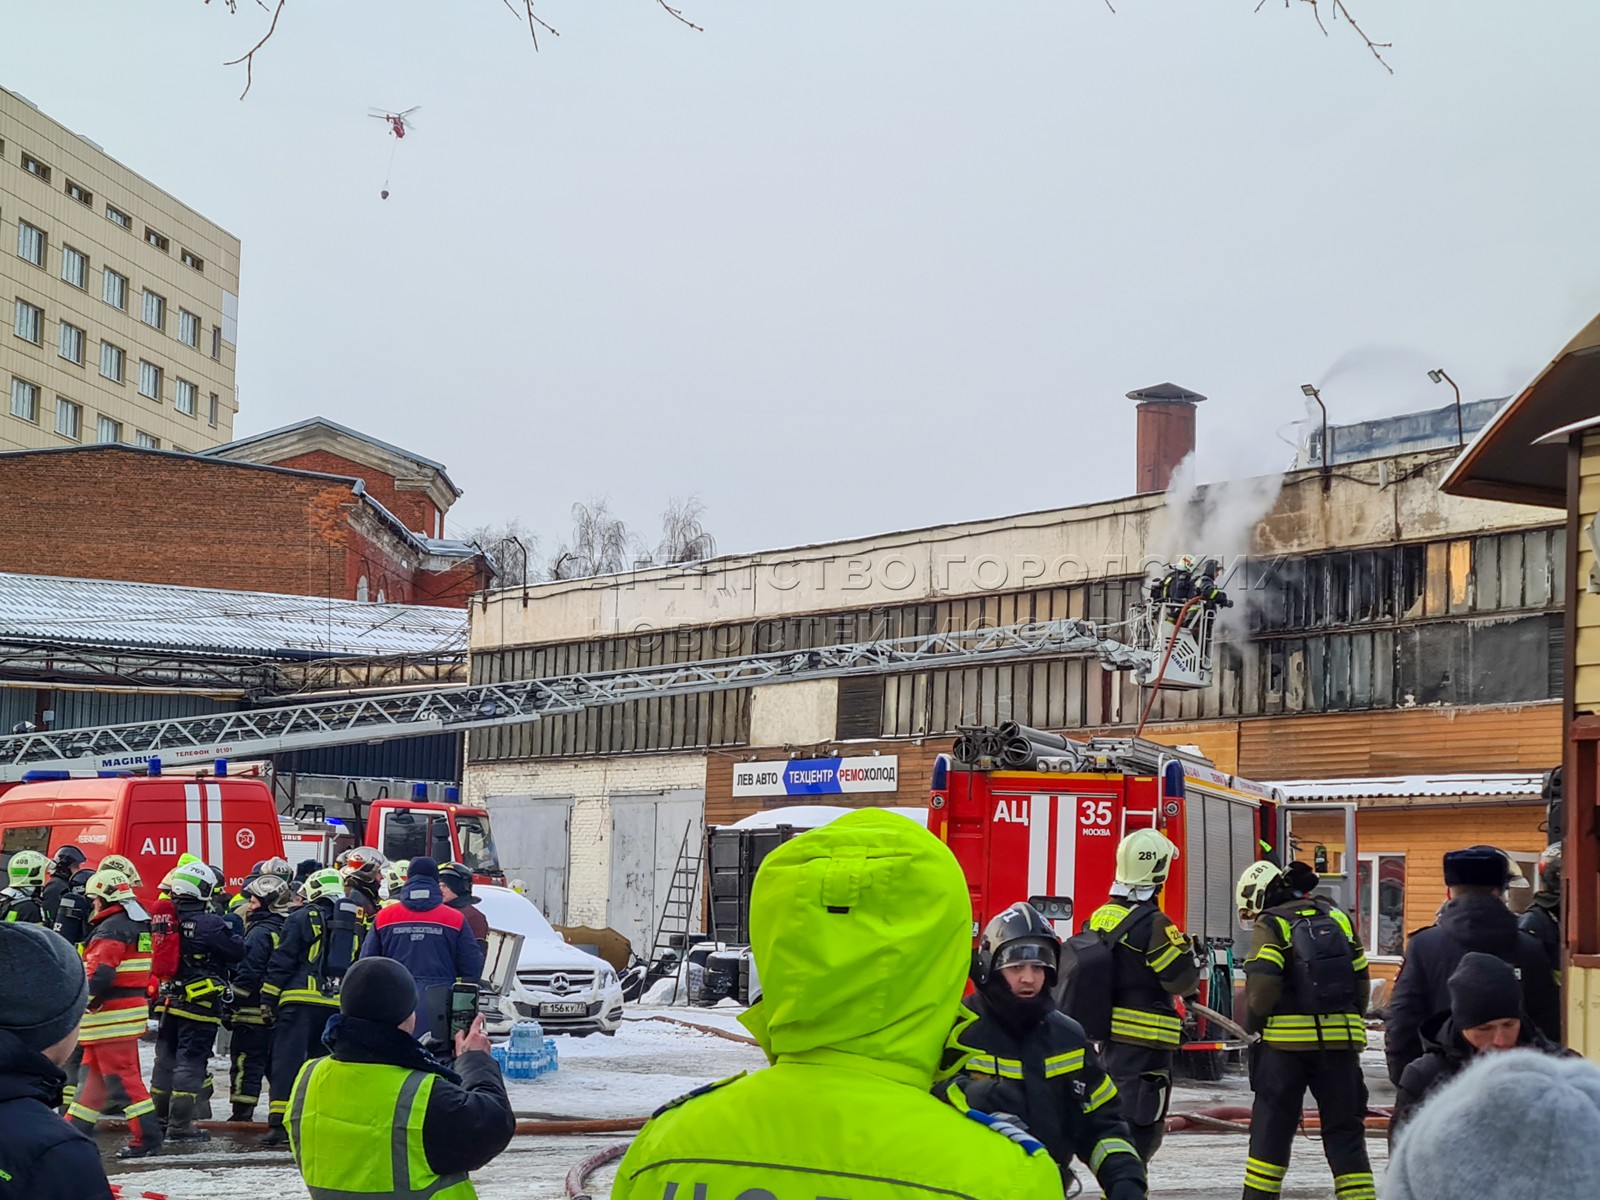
[[124, 300], [1381, 630]]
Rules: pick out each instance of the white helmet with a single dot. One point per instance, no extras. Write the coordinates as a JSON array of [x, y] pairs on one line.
[[1258, 879], [118, 862], [194, 880], [1144, 858]]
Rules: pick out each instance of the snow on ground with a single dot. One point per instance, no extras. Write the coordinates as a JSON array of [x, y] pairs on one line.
[[650, 1062]]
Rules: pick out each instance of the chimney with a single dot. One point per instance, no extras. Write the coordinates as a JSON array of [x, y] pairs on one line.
[[1166, 433]]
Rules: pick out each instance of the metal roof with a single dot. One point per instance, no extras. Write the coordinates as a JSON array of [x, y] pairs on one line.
[[313, 422], [45, 608], [1409, 787]]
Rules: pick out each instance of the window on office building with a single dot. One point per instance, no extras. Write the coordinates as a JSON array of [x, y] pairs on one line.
[[74, 267], [107, 430], [80, 193], [156, 239], [148, 441], [211, 411], [30, 243], [69, 418], [33, 166], [188, 328], [30, 322], [192, 260], [150, 380], [112, 361], [71, 344], [24, 400], [117, 217], [185, 396], [115, 291], [153, 311]]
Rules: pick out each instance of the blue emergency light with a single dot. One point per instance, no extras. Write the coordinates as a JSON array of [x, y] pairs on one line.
[[419, 791], [51, 776]]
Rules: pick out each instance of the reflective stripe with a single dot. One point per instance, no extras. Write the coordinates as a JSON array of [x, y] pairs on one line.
[[1270, 954], [139, 1108], [1102, 1095], [1360, 963], [1302, 1029], [79, 1113], [1063, 1064], [1264, 1176], [989, 1064], [1166, 958], [1157, 1029], [1356, 1186], [1105, 1148]]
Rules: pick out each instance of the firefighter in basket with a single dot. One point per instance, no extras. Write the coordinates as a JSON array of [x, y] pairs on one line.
[[1032, 1062], [208, 948], [1306, 988], [1150, 964]]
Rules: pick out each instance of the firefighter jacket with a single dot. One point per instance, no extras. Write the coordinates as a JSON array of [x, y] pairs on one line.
[[378, 1092], [1276, 996], [1050, 1078], [117, 960], [1152, 962], [42, 1157], [299, 970], [1475, 921], [50, 895], [263, 930], [1543, 920], [863, 929], [18, 905], [209, 946], [1444, 1054]]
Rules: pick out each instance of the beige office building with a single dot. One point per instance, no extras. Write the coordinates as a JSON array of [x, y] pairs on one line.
[[123, 302]]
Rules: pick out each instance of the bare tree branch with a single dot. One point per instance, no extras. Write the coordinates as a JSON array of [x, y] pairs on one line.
[[684, 537], [1336, 8], [677, 14], [250, 56]]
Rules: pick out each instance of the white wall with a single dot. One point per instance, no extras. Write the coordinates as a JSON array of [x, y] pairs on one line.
[[794, 714], [591, 783]]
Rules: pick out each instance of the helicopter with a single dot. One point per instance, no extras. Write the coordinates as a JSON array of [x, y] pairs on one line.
[[400, 124]]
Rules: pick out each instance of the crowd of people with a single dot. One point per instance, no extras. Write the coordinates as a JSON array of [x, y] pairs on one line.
[[888, 1073]]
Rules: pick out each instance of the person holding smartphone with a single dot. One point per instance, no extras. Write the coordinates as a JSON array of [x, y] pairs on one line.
[[346, 1108]]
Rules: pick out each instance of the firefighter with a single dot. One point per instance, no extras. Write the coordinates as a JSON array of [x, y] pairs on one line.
[[863, 930], [394, 878], [1035, 1063], [1306, 988], [208, 946], [118, 862], [63, 866], [1152, 962], [362, 870], [1543, 918], [23, 899], [1474, 918], [455, 885], [266, 905], [117, 961], [301, 988]]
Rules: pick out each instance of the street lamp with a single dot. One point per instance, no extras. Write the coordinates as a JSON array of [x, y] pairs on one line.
[[1439, 375], [1310, 390]]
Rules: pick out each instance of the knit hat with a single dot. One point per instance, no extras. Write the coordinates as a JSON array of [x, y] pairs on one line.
[[43, 990], [1483, 988], [1476, 866], [423, 868], [1474, 1136], [379, 990]]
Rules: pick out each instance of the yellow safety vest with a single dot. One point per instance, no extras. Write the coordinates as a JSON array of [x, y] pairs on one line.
[[355, 1130]]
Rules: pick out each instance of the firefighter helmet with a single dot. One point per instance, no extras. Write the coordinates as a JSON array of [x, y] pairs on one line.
[[457, 876], [1258, 880], [394, 875], [1186, 562], [323, 884], [116, 862], [67, 860], [1550, 867], [361, 862], [193, 880], [1018, 935], [27, 869], [272, 891], [110, 886], [1144, 858], [277, 867]]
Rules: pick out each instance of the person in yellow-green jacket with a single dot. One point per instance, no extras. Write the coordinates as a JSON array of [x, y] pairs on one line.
[[381, 1117], [861, 933]]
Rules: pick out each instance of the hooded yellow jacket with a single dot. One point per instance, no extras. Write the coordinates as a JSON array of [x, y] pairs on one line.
[[862, 934]]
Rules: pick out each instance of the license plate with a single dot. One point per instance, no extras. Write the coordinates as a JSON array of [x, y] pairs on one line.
[[562, 1010]]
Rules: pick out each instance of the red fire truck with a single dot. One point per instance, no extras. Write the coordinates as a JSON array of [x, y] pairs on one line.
[[1049, 836]]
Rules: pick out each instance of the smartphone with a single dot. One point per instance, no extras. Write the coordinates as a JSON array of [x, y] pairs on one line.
[[463, 1007]]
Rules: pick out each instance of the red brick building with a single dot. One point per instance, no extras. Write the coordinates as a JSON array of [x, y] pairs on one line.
[[320, 524]]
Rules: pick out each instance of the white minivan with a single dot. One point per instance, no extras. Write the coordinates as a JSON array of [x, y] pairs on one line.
[[563, 988]]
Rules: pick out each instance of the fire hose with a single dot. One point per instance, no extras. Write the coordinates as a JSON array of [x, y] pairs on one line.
[[578, 1177]]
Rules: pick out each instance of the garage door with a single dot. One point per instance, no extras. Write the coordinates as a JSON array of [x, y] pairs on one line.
[[532, 840], [647, 833]]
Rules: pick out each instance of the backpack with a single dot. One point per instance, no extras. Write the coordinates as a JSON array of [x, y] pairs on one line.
[[1321, 974], [1087, 979], [166, 942]]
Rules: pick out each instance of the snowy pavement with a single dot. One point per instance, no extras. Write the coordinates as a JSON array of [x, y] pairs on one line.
[[650, 1062]]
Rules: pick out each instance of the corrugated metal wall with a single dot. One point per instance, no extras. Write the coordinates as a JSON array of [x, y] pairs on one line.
[[75, 709], [436, 756]]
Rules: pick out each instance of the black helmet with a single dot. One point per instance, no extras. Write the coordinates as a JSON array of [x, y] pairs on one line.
[[67, 860], [1017, 935], [458, 876]]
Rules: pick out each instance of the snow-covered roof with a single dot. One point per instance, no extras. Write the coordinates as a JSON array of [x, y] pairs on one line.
[[814, 816], [104, 612], [1411, 787]]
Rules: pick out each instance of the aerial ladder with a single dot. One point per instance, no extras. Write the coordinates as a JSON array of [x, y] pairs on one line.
[[1171, 649]]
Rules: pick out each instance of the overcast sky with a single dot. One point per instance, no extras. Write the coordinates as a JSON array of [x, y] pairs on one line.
[[845, 266]]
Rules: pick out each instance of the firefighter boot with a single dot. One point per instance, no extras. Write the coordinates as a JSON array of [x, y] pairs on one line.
[[180, 1120], [276, 1134], [146, 1137], [242, 1113]]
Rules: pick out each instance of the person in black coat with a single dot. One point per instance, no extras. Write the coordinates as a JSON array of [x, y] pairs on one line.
[[66, 863], [1032, 1062], [1543, 918], [455, 885], [266, 904], [43, 993], [1474, 918], [468, 1120], [1485, 1017]]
